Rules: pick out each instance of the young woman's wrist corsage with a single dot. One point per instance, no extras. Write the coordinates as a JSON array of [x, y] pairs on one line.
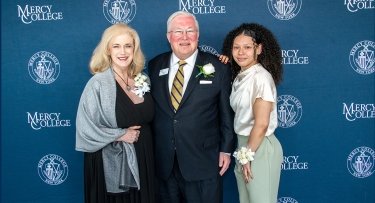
[[244, 155], [141, 85], [207, 70]]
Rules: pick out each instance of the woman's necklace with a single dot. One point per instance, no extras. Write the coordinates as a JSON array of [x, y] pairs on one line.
[[128, 87]]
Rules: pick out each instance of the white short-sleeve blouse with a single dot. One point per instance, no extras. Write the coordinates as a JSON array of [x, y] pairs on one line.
[[255, 82]]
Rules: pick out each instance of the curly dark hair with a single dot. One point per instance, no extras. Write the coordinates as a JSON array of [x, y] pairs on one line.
[[270, 58]]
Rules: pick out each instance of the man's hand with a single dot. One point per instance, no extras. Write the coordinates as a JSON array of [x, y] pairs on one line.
[[224, 161]]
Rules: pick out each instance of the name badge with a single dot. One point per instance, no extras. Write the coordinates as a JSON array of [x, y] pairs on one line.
[[204, 82], [163, 71]]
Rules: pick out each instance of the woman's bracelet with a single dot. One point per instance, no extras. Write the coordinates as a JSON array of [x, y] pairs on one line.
[[244, 155]]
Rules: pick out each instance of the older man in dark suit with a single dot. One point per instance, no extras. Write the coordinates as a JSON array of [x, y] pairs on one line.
[[193, 123]]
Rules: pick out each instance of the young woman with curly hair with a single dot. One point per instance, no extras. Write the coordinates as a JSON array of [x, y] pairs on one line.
[[256, 64]]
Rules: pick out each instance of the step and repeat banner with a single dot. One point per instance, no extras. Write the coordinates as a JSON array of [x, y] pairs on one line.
[[326, 102]]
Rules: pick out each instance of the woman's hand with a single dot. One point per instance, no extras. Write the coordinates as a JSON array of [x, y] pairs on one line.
[[131, 135], [224, 59], [246, 172]]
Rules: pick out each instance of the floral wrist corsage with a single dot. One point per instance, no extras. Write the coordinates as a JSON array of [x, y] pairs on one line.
[[141, 85], [244, 155]]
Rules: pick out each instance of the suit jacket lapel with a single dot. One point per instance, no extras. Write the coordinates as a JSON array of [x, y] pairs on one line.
[[193, 81], [164, 80]]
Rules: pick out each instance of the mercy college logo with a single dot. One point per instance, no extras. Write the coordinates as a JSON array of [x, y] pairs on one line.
[[291, 57], [52, 169], [209, 49], [284, 9], [360, 162], [362, 57], [289, 111], [355, 5], [44, 67], [116, 11], [29, 14], [38, 121], [286, 200], [292, 163], [353, 111], [201, 7]]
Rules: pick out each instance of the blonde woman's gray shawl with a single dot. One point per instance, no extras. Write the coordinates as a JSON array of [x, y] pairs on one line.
[[96, 128]]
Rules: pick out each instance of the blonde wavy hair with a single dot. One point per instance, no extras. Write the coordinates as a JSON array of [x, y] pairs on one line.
[[101, 59]]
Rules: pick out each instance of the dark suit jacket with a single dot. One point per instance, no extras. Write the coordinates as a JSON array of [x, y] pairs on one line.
[[202, 126]]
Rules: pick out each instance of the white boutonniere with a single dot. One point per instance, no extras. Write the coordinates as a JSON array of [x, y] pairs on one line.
[[141, 86], [244, 155], [207, 70]]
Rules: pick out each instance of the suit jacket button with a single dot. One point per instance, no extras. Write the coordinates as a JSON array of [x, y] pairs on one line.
[[175, 121]]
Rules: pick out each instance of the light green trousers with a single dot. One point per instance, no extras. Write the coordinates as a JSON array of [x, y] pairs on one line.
[[265, 168]]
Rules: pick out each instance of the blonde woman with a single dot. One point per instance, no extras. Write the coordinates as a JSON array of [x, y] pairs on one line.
[[113, 122]]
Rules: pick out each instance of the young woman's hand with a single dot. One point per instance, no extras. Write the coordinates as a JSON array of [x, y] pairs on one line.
[[224, 59], [246, 172]]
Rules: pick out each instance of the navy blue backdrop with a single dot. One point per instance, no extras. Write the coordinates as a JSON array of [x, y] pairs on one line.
[[325, 102]]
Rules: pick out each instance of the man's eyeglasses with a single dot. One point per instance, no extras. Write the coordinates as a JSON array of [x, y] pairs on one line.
[[180, 33]]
